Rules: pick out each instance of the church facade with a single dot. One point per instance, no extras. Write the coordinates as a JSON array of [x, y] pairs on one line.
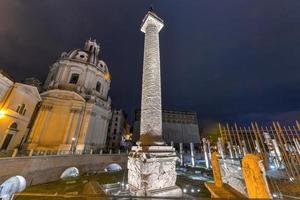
[[75, 110]]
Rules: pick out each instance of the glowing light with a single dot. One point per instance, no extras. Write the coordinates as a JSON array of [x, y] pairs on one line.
[[272, 167], [107, 76], [184, 190], [198, 190], [192, 190], [73, 139], [2, 113]]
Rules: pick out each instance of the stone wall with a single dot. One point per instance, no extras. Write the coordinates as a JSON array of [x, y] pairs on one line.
[[42, 169]]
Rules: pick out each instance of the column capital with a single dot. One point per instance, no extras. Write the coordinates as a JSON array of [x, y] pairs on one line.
[[152, 19]]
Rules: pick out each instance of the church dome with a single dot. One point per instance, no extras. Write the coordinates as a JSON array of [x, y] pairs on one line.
[[81, 71], [89, 55]]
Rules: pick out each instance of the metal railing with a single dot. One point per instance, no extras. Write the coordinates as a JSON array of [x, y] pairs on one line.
[[29, 153]]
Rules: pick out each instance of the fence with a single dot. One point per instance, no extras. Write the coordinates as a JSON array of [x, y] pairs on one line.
[[278, 146]]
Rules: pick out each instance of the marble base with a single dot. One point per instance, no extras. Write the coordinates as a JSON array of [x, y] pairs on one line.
[[152, 171]]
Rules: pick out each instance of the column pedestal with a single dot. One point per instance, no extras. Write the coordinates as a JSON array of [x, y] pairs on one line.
[[152, 171]]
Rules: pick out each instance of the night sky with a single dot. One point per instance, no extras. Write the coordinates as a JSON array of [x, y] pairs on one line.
[[226, 60]]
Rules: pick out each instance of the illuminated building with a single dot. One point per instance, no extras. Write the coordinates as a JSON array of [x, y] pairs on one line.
[[178, 127], [116, 129], [76, 109], [17, 104]]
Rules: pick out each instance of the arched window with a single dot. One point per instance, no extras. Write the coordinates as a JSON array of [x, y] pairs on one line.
[[74, 78], [98, 86], [13, 126]]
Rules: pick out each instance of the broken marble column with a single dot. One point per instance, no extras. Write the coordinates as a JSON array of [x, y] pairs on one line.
[[257, 147], [296, 142], [220, 148], [230, 150], [245, 151], [271, 149], [181, 153], [192, 154], [208, 150], [205, 152], [235, 151], [279, 161]]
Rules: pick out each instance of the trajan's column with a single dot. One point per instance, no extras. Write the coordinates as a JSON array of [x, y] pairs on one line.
[[152, 164]]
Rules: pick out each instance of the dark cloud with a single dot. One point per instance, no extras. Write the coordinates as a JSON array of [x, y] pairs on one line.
[[224, 59]]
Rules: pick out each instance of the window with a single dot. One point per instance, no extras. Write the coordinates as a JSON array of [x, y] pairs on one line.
[[98, 86], [74, 78], [21, 109]]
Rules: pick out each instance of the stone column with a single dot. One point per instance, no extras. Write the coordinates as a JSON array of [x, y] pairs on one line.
[[245, 151], [192, 154], [104, 132], [80, 130], [208, 150], [257, 147], [205, 151], [181, 153], [44, 123], [151, 113], [279, 161], [220, 148], [152, 164], [229, 149], [297, 145], [36, 126], [69, 126]]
